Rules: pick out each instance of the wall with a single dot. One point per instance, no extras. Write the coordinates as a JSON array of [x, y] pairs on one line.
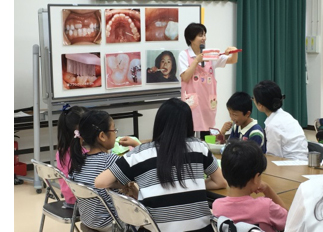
[[220, 20], [314, 18]]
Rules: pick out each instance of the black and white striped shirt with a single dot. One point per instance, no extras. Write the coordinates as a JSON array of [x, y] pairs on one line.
[[93, 213], [173, 208]]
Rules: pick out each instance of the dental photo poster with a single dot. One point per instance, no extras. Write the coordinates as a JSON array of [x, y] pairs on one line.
[[117, 50]]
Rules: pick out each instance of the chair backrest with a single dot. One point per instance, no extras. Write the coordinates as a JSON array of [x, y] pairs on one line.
[[224, 224], [47, 171], [82, 191], [132, 212]]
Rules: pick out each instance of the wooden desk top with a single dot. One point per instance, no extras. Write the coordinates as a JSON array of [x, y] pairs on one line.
[[288, 197], [289, 172]]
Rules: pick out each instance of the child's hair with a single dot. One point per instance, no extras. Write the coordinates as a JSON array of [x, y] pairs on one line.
[[91, 125], [173, 125], [159, 58], [268, 94], [68, 121], [192, 30], [240, 101], [241, 161]]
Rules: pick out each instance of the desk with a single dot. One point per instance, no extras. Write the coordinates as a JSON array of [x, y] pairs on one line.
[[289, 172], [283, 179]]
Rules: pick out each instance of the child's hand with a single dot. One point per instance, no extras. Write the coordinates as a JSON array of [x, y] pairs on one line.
[[262, 187], [152, 69], [226, 126], [127, 141], [131, 190]]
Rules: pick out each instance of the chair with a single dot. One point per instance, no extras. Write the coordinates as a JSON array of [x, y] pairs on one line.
[[132, 212], [54, 209], [224, 224], [82, 191]]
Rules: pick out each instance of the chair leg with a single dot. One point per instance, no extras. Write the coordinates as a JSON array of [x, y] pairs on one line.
[[73, 218], [42, 221]]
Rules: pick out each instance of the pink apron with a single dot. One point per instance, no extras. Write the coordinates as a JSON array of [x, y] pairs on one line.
[[200, 94]]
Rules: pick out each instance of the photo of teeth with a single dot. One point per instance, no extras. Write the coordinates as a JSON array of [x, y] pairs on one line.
[[161, 24], [81, 27], [122, 25], [123, 69], [81, 70]]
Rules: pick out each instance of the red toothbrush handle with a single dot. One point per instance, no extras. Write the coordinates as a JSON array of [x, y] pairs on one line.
[[233, 51]]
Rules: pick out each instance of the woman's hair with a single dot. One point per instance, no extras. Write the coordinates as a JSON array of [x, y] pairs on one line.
[[91, 125], [173, 125], [192, 30], [240, 101], [268, 94], [68, 121], [171, 55], [241, 161]]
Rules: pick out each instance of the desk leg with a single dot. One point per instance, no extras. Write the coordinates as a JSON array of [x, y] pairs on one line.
[[135, 124]]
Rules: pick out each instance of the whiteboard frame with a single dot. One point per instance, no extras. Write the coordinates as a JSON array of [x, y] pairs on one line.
[[130, 94]]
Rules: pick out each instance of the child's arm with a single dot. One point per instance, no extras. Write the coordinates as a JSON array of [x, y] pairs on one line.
[[216, 180], [127, 141], [226, 127], [106, 180], [269, 192], [234, 56]]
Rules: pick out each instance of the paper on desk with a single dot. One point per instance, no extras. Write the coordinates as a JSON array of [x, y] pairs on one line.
[[21, 114], [290, 162], [312, 176]]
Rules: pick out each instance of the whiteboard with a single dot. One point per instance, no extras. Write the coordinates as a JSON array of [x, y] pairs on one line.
[[108, 53]]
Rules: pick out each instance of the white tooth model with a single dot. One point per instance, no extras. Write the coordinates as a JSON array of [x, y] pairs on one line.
[[211, 54]]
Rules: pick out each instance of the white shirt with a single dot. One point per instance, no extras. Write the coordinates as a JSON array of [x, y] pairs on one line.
[[183, 60], [301, 216], [285, 137]]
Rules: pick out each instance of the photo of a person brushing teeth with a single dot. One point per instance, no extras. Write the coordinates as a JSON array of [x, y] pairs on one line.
[[164, 69]]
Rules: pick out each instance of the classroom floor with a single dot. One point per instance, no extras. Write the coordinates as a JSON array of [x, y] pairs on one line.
[[28, 205]]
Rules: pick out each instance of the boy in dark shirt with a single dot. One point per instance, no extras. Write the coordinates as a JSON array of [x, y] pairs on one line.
[[243, 126]]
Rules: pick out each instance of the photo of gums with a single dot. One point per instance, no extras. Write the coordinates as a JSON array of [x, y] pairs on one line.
[[122, 25], [81, 70], [81, 27], [161, 24], [123, 69], [162, 66]]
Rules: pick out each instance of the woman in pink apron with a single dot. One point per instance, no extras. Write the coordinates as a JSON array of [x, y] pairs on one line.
[[198, 78]]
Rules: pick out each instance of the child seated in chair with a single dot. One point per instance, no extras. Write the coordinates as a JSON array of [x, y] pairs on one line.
[[242, 165], [243, 126]]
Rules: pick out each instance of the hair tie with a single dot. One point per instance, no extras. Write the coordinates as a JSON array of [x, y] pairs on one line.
[[77, 134], [65, 107]]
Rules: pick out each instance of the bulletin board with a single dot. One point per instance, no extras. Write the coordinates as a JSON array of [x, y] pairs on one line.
[[102, 51]]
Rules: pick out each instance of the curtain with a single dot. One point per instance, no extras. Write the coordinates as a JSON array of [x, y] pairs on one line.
[[271, 34]]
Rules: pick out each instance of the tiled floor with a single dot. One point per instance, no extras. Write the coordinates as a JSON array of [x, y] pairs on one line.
[[28, 206]]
